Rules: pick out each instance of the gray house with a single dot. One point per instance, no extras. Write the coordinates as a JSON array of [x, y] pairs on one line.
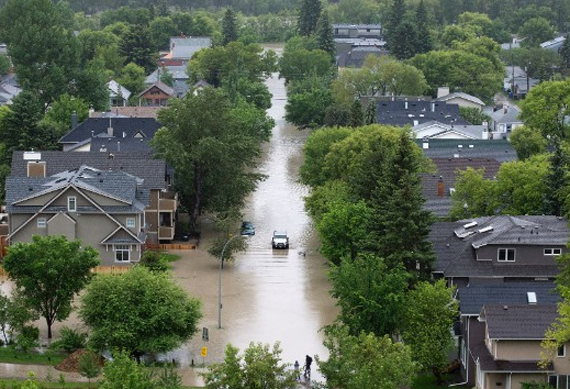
[[499, 249], [104, 209]]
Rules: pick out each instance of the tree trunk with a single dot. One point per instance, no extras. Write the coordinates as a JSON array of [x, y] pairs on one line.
[[194, 212], [48, 328]]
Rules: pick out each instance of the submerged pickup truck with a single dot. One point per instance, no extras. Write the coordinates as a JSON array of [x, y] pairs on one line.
[[280, 240]]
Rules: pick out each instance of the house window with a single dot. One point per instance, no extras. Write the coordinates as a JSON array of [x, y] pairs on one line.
[[130, 222], [558, 381], [42, 222], [561, 352], [506, 255], [480, 375], [122, 253], [71, 204], [552, 251]]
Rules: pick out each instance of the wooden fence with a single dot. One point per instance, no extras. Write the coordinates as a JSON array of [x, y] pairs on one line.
[[170, 246], [115, 270]]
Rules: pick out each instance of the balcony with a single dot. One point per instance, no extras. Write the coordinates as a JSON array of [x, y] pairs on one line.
[[165, 233], [166, 205]]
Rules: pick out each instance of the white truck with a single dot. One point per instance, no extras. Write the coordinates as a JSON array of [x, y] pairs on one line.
[[280, 240]]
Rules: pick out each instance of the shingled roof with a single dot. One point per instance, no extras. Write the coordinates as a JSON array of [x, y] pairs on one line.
[[532, 320], [473, 297], [456, 256], [500, 150], [122, 128], [152, 171], [401, 113]]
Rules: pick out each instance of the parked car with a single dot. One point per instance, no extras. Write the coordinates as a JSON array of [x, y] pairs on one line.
[[247, 228], [280, 240]]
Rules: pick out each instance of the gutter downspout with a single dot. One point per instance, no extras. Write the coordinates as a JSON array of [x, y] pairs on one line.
[[467, 355]]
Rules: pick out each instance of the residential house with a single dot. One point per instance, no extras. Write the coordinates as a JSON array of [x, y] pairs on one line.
[[182, 48], [358, 52], [127, 112], [8, 92], [501, 150], [355, 42], [154, 175], [504, 121], [178, 74], [156, 95], [498, 249], [554, 44], [357, 31], [118, 94], [112, 129], [438, 186], [517, 82], [462, 99], [511, 350], [472, 300], [412, 113], [104, 209]]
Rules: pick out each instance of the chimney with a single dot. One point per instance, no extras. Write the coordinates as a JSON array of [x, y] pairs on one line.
[[432, 106], [442, 91], [406, 104], [36, 169], [440, 187], [73, 120], [110, 128]]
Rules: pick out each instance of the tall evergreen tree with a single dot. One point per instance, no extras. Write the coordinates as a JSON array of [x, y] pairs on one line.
[[325, 35], [356, 116], [370, 115], [424, 41], [137, 47], [400, 226], [395, 17], [405, 44], [229, 27], [309, 15]]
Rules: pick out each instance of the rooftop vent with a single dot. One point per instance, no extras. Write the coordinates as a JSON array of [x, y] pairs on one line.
[[486, 229], [531, 298]]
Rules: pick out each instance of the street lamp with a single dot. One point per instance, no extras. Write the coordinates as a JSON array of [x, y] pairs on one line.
[[220, 281]]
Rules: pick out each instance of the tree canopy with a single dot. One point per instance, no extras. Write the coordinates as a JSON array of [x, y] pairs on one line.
[[140, 312], [49, 272]]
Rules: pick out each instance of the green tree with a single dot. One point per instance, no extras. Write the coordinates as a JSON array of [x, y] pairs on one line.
[[49, 272], [325, 36], [213, 147], [370, 294], [424, 38], [545, 107], [140, 312], [473, 196], [535, 31], [132, 78], [59, 115], [342, 230], [309, 14], [89, 366], [527, 142], [91, 85], [302, 63], [430, 313], [14, 314], [395, 17], [307, 109], [357, 361], [229, 27], [160, 30], [136, 46], [557, 180], [91, 40], [110, 58], [407, 43], [399, 225], [45, 54], [323, 199], [356, 115], [474, 115], [124, 373], [370, 114], [259, 367]]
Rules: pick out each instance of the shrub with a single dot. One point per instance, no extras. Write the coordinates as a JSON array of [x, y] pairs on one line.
[[70, 340], [153, 261]]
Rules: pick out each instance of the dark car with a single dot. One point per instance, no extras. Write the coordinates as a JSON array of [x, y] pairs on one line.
[[247, 228]]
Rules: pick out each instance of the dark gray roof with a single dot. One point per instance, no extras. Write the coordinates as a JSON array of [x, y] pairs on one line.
[[152, 171], [119, 185], [532, 321], [500, 150], [473, 297], [456, 257], [122, 128], [448, 170], [355, 58], [139, 146], [401, 113]]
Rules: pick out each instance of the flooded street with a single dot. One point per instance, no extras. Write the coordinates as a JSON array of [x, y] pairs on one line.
[[268, 295]]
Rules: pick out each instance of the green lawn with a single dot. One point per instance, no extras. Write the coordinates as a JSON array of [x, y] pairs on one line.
[[49, 357]]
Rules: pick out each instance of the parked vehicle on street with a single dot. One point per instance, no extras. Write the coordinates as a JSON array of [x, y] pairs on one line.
[[280, 240], [247, 228]]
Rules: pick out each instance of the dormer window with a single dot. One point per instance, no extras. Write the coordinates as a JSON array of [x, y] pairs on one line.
[[71, 204], [505, 255]]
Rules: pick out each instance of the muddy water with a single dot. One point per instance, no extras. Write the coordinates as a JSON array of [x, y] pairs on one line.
[[267, 295]]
